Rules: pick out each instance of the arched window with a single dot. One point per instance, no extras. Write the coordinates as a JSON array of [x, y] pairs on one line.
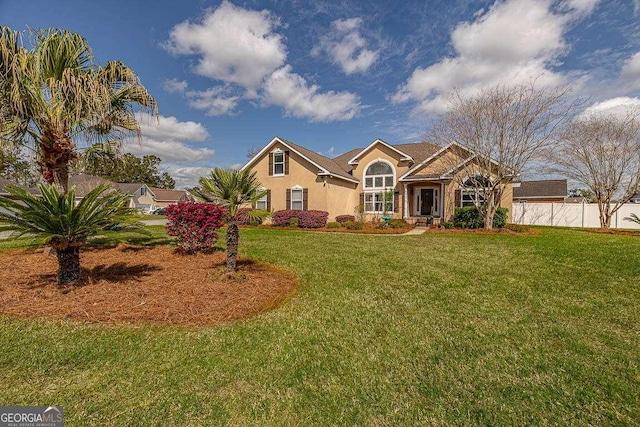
[[379, 180], [379, 175], [473, 190]]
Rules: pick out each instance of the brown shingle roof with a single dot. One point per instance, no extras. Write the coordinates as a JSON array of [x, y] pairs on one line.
[[85, 183], [163, 195], [543, 188], [420, 151], [324, 162]]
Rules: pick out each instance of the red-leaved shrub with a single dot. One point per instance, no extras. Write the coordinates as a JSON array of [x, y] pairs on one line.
[[195, 225], [306, 219], [345, 218]]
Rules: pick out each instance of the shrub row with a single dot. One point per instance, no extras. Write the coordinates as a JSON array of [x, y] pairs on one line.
[[345, 218], [470, 217], [195, 225], [306, 219]]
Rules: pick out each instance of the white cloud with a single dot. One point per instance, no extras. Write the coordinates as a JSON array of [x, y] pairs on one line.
[[174, 85], [346, 46], [187, 176], [582, 6], [170, 128], [234, 44], [167, 150], [167, 137], [631, 70], [514, 42], [292, 92], [619, 106], [215, 100]]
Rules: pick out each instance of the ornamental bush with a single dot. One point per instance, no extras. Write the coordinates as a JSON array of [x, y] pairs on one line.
[[354, 225], [306, 219], [344, 218], [398, 223], [470, 217], [334, 225], [195, 225]]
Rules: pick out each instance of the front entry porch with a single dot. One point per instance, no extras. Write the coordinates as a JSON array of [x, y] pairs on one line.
[[424, 202]]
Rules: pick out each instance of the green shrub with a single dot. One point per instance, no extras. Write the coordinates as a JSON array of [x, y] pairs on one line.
[[354, 225], [518, 228], [294, 222], [334, 225], [448, 225], [470, 217], [398, 223]]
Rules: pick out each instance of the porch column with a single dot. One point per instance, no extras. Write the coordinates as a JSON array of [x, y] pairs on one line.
[[442, 202], [405, 203]]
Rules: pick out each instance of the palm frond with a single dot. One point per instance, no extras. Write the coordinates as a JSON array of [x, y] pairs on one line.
[[54, 215], [230, 187]]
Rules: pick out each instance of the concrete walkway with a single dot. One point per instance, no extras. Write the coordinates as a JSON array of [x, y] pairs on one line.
[[416, 230]]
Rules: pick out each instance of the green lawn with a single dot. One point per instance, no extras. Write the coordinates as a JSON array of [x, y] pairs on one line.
[[385, 330]]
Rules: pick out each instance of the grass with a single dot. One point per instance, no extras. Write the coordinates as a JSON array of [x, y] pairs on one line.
[[437, 329]]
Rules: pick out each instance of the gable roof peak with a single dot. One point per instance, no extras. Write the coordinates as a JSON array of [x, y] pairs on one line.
[[354, 160]]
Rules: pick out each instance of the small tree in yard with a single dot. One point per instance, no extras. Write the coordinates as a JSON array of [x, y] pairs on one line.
[[63, 225], [195, 225], [232, 189], [603, 153], [497, 133]]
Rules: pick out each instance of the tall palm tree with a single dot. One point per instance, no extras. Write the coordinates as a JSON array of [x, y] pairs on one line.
[[233, 189], [55, 95], [63, 225]]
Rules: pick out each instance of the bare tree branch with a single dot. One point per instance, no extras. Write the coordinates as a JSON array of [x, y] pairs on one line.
[[500, 131], [603, 153]]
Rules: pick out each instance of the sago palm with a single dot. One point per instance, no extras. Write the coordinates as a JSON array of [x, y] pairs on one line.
[[64, 226], [233, 189], [54, 96]]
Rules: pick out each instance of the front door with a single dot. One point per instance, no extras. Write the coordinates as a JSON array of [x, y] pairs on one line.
[[426, 201]]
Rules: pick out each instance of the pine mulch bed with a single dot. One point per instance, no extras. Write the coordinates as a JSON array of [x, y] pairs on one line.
[[130, 284]]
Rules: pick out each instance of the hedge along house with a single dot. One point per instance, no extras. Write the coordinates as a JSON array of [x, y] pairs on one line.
[[420, 177]]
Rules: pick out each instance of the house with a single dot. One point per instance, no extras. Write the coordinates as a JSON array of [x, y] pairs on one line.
[[419, 175], [142, 197], [543, 191], [164, 198]]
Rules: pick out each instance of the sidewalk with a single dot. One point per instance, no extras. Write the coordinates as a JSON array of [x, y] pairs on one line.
[[416, 230]]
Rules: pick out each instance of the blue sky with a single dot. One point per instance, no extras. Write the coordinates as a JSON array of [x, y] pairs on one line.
[[332, 75]]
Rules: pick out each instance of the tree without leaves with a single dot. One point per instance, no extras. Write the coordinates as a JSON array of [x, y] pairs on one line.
[[54, 95], [603, 153], [232, 189], [65, 226], [496, 134]]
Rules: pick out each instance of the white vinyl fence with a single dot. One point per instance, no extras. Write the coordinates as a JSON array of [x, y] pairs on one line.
[[571, 214]]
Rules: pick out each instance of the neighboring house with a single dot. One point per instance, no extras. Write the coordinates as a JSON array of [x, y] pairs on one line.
[[164, 198], [419, 175], [544, 191], [141, 196]]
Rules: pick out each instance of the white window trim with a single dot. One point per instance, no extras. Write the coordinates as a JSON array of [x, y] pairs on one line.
[[263, 199], [273, 153], [376, 201], [301, 201], [378, 190]]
